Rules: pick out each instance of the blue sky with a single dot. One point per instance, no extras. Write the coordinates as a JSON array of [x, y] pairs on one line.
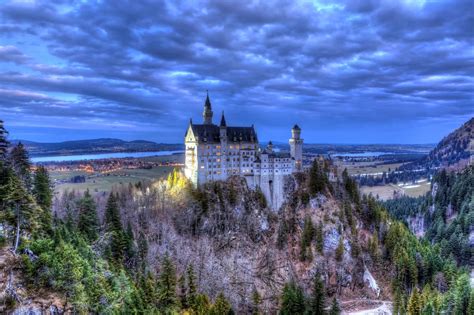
[[345, 71]]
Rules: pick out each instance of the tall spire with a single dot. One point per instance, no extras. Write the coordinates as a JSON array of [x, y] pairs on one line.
[[223, 123], [208, 102], [207, 114]]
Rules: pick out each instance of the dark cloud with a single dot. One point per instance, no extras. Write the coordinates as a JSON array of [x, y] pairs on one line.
[[328, 65]]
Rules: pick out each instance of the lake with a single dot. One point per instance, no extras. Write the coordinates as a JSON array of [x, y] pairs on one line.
[[366, 154], [70, 158]]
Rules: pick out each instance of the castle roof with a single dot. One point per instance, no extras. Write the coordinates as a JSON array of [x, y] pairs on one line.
[[210, 133], [207, 104], [223, 123]]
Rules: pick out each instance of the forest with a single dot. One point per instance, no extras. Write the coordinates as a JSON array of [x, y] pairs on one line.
[[144, 248], [447, 213]]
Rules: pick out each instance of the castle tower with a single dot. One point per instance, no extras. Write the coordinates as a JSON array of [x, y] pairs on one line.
[[223, 128], [270, 147], [296, 147], [207, 113]]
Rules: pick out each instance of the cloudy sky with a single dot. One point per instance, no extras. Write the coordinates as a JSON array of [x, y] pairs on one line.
[[346, 71]]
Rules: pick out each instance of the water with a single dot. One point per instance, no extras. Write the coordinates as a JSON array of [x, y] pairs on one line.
[[364, 154], [83, 157]]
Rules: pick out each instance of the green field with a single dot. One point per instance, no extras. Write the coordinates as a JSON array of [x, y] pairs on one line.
[[386, 192], [356, 168], [104, 182]]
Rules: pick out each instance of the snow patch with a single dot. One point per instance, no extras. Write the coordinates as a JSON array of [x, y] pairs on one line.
[[371, 281]]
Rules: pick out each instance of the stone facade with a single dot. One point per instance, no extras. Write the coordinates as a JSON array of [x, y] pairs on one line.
[[216, 152]]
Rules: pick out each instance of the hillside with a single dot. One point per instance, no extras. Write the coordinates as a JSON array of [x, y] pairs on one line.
[[103, 145], [445, 215], [453, 150], [168, 247]]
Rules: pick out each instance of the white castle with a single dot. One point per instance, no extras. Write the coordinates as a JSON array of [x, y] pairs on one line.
[[217, 152]]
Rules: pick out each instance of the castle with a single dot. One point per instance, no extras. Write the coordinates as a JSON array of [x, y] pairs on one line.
[[216, 152]]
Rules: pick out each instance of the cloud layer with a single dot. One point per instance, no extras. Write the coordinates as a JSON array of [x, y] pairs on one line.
[[348, 71]]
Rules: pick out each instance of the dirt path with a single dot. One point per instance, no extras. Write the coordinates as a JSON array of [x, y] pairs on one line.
[[366, 307]]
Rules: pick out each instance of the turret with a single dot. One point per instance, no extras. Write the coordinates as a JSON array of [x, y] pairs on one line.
[[223, 128], [296, 147], [207, 113], [270, 147], [296, 132]]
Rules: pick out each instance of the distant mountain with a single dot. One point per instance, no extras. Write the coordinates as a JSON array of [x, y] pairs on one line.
[[102, 145], [453, 151]]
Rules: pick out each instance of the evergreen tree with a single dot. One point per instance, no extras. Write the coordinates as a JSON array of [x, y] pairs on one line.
[[20, 162], [463, 292], [317, 296], [317, 179], [319, 237], [142, 250], [221, 306], [3, 142], [340, 249], [292, 300], [306, 238], [20, 205], [256, 301], [130, 250], [43, 194], [42, 188], [201, 305], [113, 225], [192, 290], [470, 307], [88, 222], [414, 303], [335, 309], [167, 299], [182, 295]]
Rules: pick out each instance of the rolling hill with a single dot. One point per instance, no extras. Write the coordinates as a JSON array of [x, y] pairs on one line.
[[454, 150], [102, 145]]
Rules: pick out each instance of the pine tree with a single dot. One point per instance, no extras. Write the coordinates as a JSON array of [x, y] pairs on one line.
[[306, 238], [142, 250], [129, 246], [317, 179], [463, 292], [317, 296], [43, 194], [167, 299], [292, 300], [192, 290], [88, 223], [470, 308], [3, 142], [340, 249], [112, 214], [256, 301], [20, 201], [42, 188], [319, 237], [201, 305], [113, 225], [414, 303], [335, 309], [20, 162], [182, 295], [221, 306]]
